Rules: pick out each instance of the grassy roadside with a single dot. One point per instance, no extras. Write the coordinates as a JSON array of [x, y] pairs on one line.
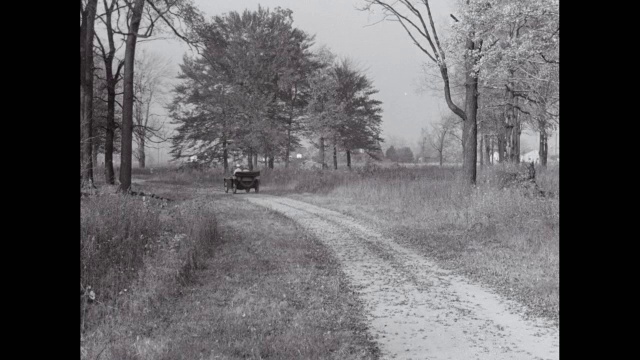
[[269, 291], [137, 254], [506, 238], [219, 279]]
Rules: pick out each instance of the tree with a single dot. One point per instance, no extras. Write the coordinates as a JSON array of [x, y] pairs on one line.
[[251, 76], [341, 108], [413, 18], [110, 82], [442, 136], [127, 97], [391, 154], [526, 38], [167, 12], [322, 108], [293, 78], [405, 155], [149, 88], [423, 144], [88, 15], [205, 110], [359, 118]]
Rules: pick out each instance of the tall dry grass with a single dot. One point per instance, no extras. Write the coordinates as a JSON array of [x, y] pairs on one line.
[[115, 235], [502, 233], [136, 253]]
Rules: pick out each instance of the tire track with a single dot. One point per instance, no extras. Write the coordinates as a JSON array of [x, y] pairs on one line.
[[415, 309]]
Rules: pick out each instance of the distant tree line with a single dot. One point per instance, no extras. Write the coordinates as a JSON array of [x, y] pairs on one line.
[[401, 155]]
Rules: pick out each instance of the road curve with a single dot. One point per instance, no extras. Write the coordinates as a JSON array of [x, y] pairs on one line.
[[415, 309]]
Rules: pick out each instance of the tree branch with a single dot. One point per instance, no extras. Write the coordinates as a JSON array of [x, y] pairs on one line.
[[549, 61]]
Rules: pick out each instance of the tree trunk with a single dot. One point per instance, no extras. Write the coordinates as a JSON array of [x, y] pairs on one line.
[[517, 133], [271, 161], [289, 125], [487, 149], [141, 153], [87, 95], [493, 151], [127, 98], [441, 157], [225, 156], [544, 147], [94, 154], [111, 83], [502, 145], [255, 161], [481, 152], [511, 126], [322, 160], [287, 154], [349, 159], [83, 27], [109, 174], [335, 157], [470, 127], [142, 130], [250, 159]]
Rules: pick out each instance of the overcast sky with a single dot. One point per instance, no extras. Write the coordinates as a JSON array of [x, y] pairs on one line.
[[383, 50]]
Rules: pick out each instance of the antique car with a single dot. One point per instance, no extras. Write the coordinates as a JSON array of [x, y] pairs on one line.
[[243, 180]]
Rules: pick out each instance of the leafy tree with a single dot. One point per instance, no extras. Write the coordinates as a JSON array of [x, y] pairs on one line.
[[506, 43], [359, 120], [413, 17], [516, 70], [204, 108], [322, 108], [391, 154], [405, 155], [342, 109], [249, 85]]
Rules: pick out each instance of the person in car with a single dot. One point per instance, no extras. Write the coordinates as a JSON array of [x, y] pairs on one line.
[[238, 168]]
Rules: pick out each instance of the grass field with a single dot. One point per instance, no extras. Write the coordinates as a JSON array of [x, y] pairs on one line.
[[205, 277], [504, 236], [151, 266]]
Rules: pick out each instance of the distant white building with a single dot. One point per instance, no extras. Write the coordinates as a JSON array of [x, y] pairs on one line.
[[531, 156], [193, 158], [299, 156]]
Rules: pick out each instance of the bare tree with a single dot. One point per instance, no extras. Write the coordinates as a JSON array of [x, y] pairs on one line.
[[149, 88], [162, 12], [111, 81], [127, 98], [442, 135]]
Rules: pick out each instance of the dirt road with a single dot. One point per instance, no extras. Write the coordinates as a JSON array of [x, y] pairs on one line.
[[415, 309]]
